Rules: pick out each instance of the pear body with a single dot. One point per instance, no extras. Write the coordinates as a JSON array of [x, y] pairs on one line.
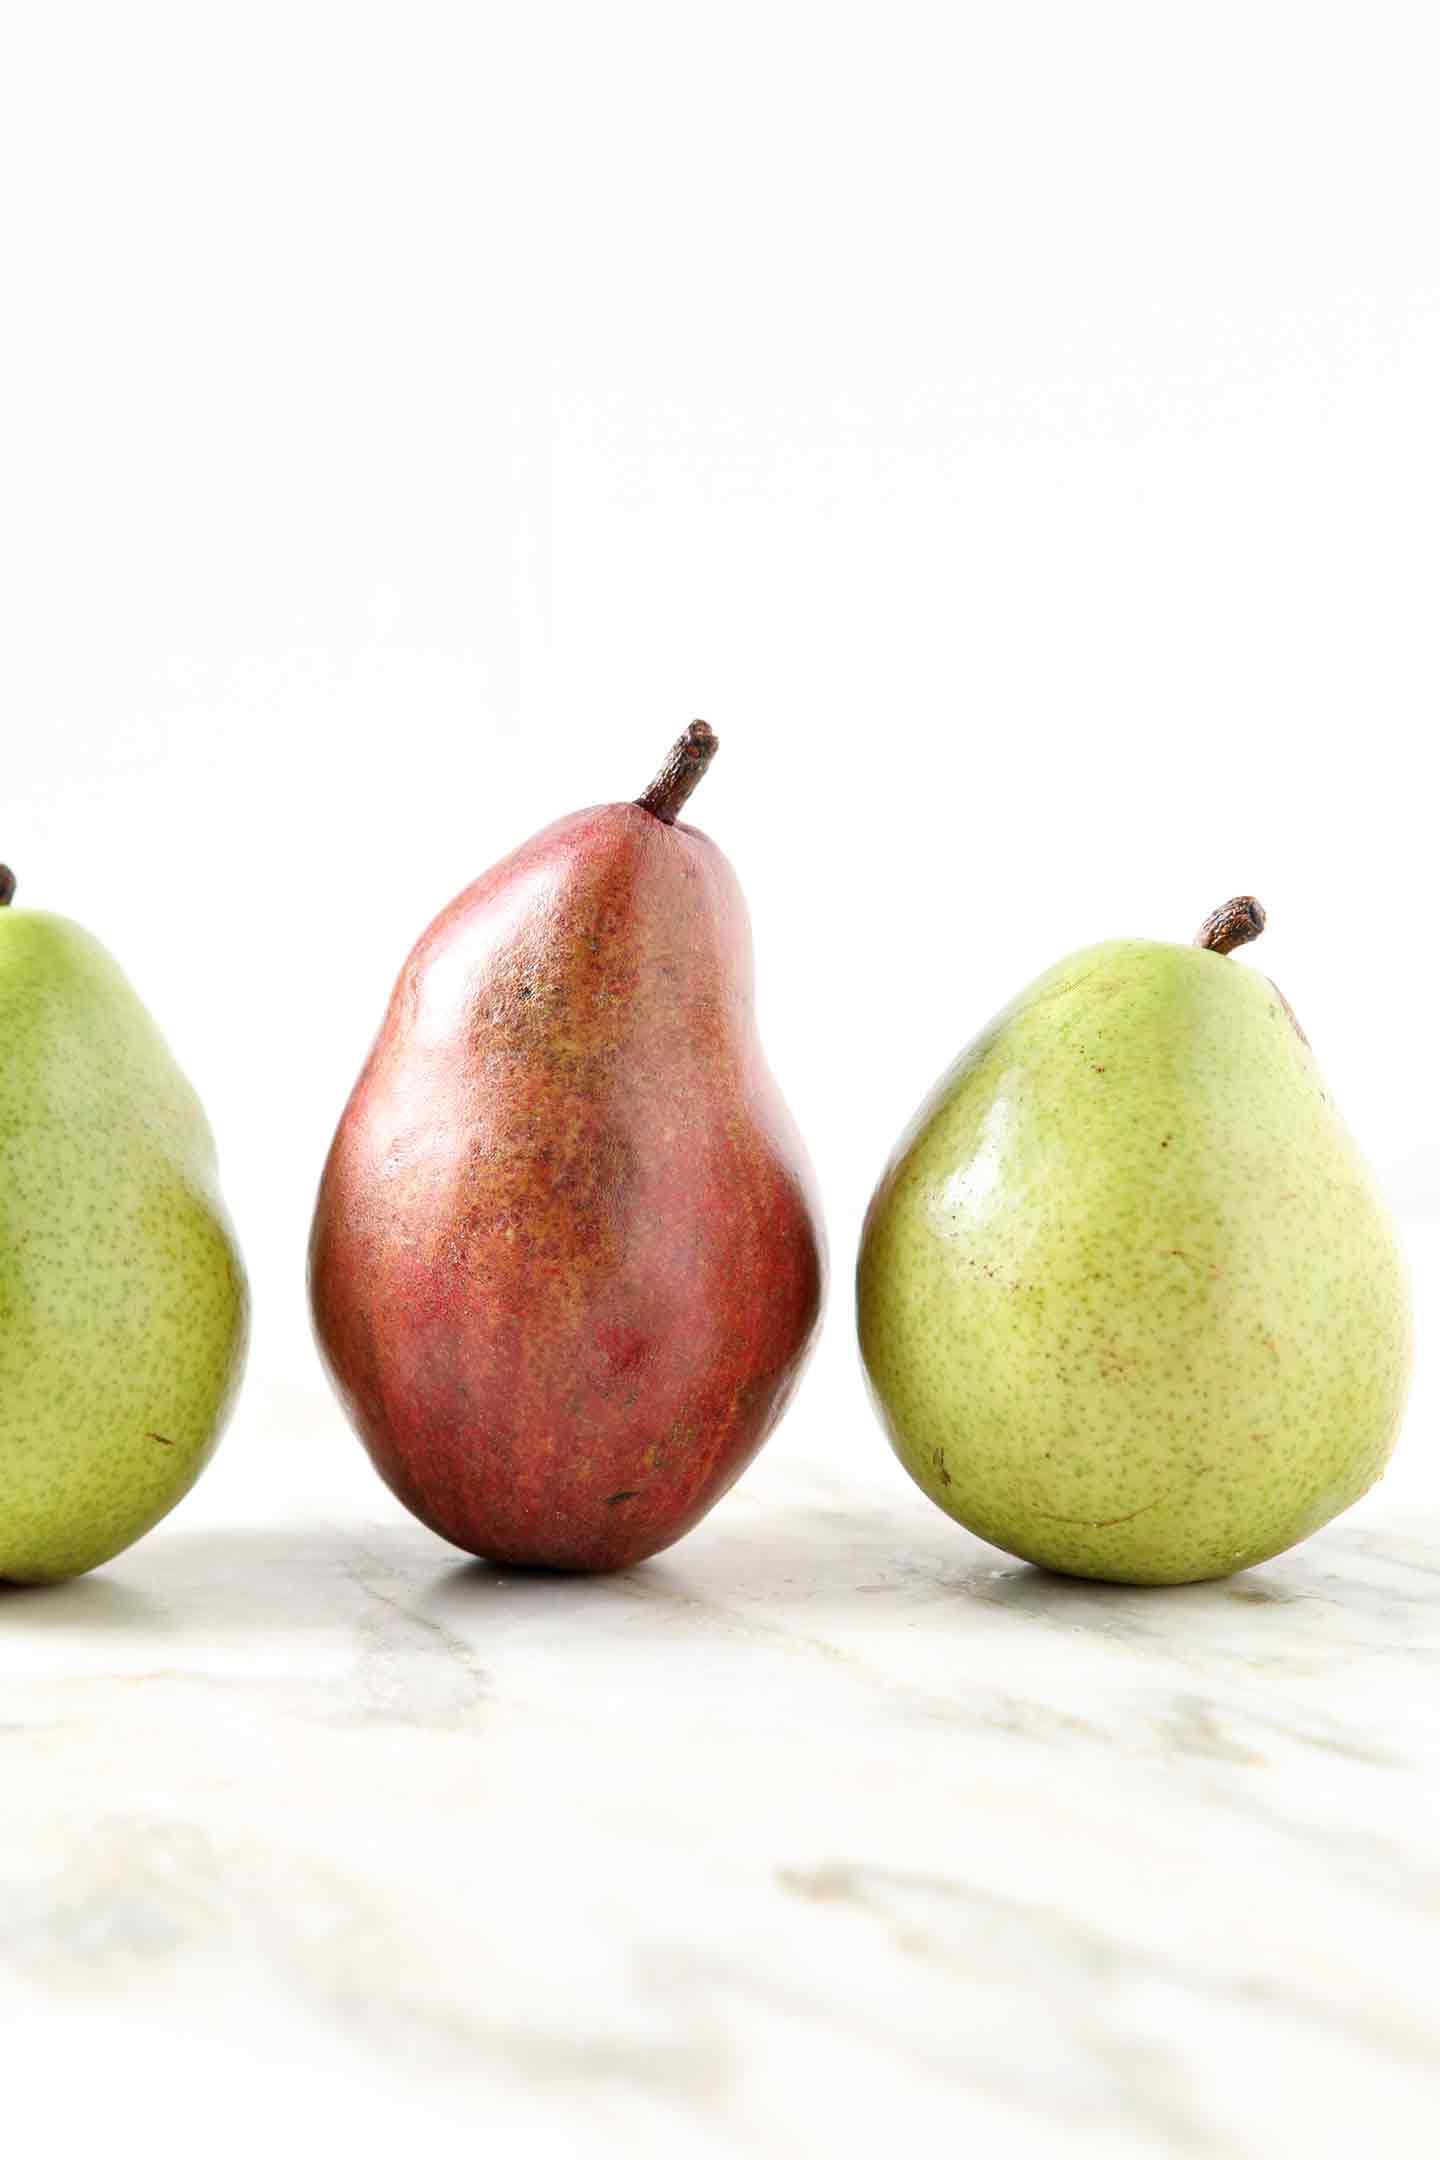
[[123, 1303], [1129, 1301], [566, 1261]]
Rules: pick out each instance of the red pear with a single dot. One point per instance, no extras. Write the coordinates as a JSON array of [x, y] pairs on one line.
[[566, 1261]]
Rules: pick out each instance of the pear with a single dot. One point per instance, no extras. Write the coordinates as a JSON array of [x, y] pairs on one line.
[[123, 1304], [1129, 1301], [566, 1260]]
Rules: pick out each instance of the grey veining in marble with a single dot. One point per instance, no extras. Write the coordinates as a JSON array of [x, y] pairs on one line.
[[830, 1828]]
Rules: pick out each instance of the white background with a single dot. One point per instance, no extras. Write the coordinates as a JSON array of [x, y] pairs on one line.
[[1014, 428]]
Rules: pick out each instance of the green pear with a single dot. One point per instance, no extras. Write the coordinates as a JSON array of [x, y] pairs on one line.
[[1129, 1300], [123, 1305]]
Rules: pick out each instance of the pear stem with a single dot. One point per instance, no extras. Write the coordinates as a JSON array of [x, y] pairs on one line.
[[7, 884], [681, 773], [1236, 923]]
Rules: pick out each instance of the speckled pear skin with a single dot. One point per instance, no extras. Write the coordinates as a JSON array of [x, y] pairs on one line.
[[123, 1304], [1129, 1301], [567, 1263]]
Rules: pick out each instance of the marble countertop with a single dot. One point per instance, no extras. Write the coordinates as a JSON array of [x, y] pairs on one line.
[[831, 1826]]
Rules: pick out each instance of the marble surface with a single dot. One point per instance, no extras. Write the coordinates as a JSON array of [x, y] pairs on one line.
[[832, 1827]]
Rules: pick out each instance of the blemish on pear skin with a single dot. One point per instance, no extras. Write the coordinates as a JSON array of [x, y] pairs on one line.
[[614, 1498], [1113, 1522], [1289, 1011], [160, 1438]]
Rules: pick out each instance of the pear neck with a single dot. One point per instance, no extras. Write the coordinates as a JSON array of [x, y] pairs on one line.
[[681, 774]]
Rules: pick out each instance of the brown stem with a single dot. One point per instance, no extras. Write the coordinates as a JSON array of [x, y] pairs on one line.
[[7, 884], [681, 773], [1236, 923]]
